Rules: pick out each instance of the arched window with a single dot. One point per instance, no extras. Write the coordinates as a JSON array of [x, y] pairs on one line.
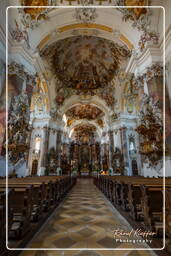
[[37, 144], [131, 145]]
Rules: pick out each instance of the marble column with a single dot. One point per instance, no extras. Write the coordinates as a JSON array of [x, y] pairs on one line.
[[58, 147], [105, 156], [102, 155], [93, 154], [111, 148], [90, 157], [45, 148], [124, 148], [29, 153], [31, 148]]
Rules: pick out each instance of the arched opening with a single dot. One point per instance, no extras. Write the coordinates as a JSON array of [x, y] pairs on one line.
[[86, 83], [34, 167], [134, 168]]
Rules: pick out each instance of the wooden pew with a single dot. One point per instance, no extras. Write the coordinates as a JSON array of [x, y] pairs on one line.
[[44, 196], [36, 197], [21, 204], [33, 199], [152, 207], [138, 195], [168, 220], [3, 217]]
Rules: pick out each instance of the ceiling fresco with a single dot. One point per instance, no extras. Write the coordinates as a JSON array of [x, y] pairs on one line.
[[84, 132], [85, 62], [85, 128], [84, 111]]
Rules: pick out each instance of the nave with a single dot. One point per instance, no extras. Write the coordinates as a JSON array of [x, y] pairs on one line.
[[85, 219], [85, 90]]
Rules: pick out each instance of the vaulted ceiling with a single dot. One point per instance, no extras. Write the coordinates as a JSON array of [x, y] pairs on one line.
[[80, 60], [84, 111], [85, 62]]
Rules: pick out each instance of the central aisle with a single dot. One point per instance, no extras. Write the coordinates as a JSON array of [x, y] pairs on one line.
[[85, 219]]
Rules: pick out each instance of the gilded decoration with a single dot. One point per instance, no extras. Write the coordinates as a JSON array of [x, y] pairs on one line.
[[84, 111], [18, 128], [40, 101], [138, 15], [84, 29], [35, 12], [100, 123], [150, 130], [131, 90], [32, 17], [70, 122], [137, 11], [85, 26]]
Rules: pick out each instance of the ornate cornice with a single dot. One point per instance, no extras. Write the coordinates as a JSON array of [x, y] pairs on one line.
[[139, 62]]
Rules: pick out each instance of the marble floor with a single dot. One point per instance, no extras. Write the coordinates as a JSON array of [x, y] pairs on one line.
[[85, 219]]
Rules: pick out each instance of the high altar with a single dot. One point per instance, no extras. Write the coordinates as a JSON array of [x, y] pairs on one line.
[[85, 172]]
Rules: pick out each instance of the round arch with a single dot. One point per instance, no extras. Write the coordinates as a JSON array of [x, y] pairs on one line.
[[92, 100], [105, 28]]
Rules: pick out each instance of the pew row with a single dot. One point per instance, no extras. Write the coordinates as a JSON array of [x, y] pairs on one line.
[[141, 199], [30, 201]]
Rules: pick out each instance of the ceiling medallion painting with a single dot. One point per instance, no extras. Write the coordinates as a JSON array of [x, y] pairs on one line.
[[84, 111], [85, 63]]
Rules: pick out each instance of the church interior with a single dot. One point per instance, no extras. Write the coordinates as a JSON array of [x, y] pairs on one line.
[[85, 127]]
